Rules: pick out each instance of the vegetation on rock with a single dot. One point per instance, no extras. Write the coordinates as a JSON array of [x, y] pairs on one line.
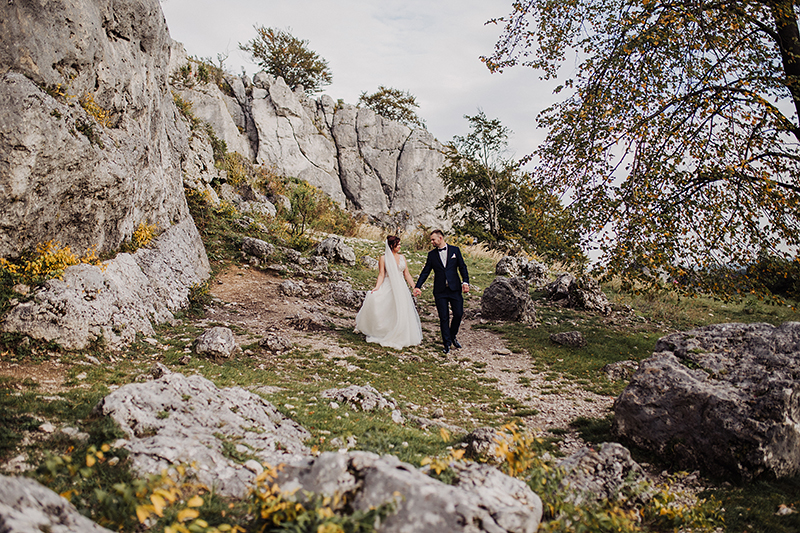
[[283, 55]]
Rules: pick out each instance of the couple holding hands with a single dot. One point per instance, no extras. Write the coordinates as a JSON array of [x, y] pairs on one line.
[[388, 315]]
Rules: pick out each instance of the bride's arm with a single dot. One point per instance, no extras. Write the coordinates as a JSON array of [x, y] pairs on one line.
[[407, 275], [381, 273]]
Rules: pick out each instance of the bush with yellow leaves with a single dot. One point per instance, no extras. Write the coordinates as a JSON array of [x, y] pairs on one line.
[[276, 510], [157, 502], [521, 454], [48, 261]]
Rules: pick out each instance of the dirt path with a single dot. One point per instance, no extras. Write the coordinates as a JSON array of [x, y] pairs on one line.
[[251, 300]]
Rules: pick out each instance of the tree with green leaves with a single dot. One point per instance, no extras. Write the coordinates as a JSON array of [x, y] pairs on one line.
[[393, 104], [679, 139], [279, 53], [491, 199]]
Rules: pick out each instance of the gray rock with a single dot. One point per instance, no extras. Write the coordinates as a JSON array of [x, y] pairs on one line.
[[86, 179], [367, 398], [369, 262], [481, 444], [257, 247], [275, 343], [508, 299], [723, 398], [573, 339], [483, 499], [124, 297], [335, 249], [318, 263], [585, 293], [607, 473], [342, 293], [28, 507], [559, 289], [620, 370], [291, 288], [178, 419], [217, 342]]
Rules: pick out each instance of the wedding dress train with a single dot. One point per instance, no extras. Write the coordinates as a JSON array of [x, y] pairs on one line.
[[388, 316]]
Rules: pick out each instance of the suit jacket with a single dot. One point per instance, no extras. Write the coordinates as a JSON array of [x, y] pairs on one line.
[[455, 265]]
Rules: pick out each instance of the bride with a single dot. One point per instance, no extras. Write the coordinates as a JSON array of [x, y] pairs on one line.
[[388, 315]]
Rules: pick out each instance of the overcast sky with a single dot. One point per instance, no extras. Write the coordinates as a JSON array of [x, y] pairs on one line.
[[430, 48]]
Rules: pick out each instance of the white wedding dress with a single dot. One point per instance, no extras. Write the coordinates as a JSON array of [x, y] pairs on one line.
[[388, 315]]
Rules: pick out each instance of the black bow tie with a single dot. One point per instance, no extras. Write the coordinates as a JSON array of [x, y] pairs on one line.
[[442, 249]]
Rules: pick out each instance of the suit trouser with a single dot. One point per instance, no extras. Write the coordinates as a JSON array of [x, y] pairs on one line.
[[455, 301]]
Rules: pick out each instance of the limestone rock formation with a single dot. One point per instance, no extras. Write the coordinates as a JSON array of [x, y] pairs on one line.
[[508, 299], [725, 398], [90, 144], [370, 164], [178, 419], [125, 296], [28, 507], [483, 499]]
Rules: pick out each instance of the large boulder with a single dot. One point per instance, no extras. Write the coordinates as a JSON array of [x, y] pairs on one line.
[[91, 142], [508, 299], [28, 507], [186, 419], [605, 472], [123, 297], [483, 498], [335, 249], [725, 398], [533, 272]]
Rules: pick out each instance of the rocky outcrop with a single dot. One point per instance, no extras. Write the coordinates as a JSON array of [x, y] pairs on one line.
[[606, 472], [178, 419], [90, 141], [581, 293], [361, 160], [725, 398], [483, 498], [533, 272], [124, 296], [28, 507], [508, 299]]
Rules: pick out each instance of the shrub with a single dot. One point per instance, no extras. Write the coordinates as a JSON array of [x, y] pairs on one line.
[[142, 236], [102, 116], [97, 481], [49, 261], [276, 510]]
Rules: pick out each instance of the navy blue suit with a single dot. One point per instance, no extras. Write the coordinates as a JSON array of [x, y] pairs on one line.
[[446, 289]]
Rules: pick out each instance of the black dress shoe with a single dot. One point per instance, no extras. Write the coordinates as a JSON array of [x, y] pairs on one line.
[[456, 344], [446, 348]]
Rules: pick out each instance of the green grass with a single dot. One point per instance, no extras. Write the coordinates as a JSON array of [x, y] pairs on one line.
[[416, 377]]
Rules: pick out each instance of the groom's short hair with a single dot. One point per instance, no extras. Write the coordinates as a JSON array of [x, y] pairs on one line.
[[437, 231]]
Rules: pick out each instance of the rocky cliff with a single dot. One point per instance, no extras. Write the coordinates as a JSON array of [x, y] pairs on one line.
[[363, 161], [90, 141], [91, 146]]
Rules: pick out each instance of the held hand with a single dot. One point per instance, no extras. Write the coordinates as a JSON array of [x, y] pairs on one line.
[[417, 291], [465, 288]]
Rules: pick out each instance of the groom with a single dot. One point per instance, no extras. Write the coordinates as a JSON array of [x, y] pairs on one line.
[[446, 262]]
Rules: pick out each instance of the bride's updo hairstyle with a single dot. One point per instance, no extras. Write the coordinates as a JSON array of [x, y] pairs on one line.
[[392, 241]]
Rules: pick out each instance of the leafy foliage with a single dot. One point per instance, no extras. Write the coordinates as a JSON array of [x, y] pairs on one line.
[[393, 104], [96, 480], [491, 199], [279, 53], [678, 140], [48, 261], [276, 510]]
